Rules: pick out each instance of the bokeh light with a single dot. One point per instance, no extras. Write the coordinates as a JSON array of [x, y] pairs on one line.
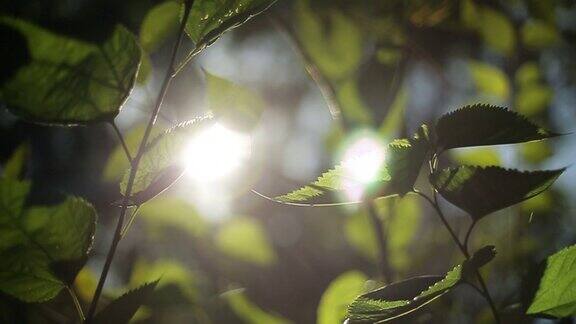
[[362, 163]]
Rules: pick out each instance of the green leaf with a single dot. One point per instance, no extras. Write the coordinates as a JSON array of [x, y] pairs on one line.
[[490, 81], [121, 310], [14, 167], [244, 239], [42, 248], [234, 106], [162, 155], [67, 81], [483, 190], [556, 295], [481, 156], [400, 298], [395, 177], [353, 107], [480, 124], [248, 312], [159, 23], [170, 212], [497, 31], [336, 49], [537, 34], [210, 19], [338, 295], [171, 271], [161, 182]]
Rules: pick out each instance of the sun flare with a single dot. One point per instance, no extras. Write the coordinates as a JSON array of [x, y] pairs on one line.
[[215, 153]]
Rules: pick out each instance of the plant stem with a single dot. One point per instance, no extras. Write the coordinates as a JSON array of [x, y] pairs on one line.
[[135, 162], [76, 302], [469, 233], [485, 291], [130, 221], [383, 265], [122, 141]]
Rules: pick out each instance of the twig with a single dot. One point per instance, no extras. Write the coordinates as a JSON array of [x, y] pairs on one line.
[[122, 141], [76, 302], [469, 233], [135, 162], [486, 292], [326, 89], [385, 268]]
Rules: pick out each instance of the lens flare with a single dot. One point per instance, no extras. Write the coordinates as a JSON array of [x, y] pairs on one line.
[[362, 163], [215, 153]]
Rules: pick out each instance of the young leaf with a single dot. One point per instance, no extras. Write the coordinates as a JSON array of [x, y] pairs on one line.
[[233, 105], [481, 124], [121, 310], [483, 190], [67, 81], [210, 19], [556, 295], [41, 247], [160, 160], [338, 295], [160, 22], [398, 299], [395, 177]]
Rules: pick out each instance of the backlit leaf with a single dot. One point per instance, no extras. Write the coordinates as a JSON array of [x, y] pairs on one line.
[[490, 81], [497, 31], [336, 49], [162, 152], [556, 295], [404, 158], [339, 294], [232, 105], [481, 124], [400, 298], [244, 239], [210, 19], [537, 34], [248, 312], [66, 81], [122, 309], [42, 248], [159, 23], [172, 213], [483, 190]]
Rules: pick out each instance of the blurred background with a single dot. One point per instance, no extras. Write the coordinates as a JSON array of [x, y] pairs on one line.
[[226, 255]]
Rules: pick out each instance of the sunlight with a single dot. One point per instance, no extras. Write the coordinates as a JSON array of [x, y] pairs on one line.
[[362, 162], [215, 153]]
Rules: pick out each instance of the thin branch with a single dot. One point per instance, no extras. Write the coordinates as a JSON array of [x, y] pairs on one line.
[[135, 162], [122, 141], [130, 221], [486, 292], [77, 305], [469, 233], [384, 265], [323, 84]]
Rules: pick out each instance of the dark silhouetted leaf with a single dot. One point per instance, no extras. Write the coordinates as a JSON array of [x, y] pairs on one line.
[[160, 23], [232, 105], [121, 310], [556, 295], [480, 124], [41, 248], [162, 152], [209, 19], [483, 190], [68, 81]]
